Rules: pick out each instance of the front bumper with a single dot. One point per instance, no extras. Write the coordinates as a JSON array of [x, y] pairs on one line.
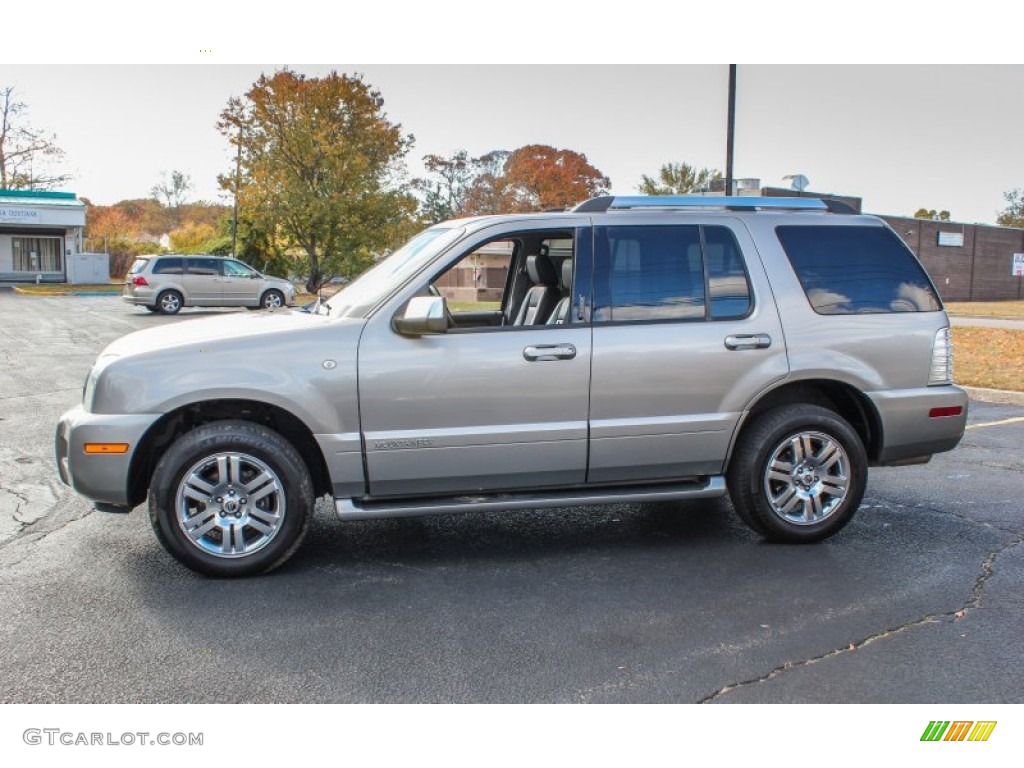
[[907, 429], [99, 477]]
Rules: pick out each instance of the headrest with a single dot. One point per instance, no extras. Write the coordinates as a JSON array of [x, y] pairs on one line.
[[567, 274], [541, 270]]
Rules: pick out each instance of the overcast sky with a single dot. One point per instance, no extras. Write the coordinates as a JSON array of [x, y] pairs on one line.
[[901, 137]]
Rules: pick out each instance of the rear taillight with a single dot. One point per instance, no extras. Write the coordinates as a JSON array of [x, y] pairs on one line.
[[139, 281], [942, 359]]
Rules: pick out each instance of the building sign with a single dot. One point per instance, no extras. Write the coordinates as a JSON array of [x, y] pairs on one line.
[[16, 215], [42, 216], [953, 239], [1018, 265]]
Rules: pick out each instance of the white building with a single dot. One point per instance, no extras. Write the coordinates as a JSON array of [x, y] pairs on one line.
[[39, 233]]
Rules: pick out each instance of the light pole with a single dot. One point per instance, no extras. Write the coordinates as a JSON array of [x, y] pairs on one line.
[[730, 129]]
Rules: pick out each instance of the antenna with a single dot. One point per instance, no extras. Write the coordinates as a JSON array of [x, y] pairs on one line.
[[797, 181]]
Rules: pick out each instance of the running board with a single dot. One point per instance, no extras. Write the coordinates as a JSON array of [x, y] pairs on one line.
[[363, 509]]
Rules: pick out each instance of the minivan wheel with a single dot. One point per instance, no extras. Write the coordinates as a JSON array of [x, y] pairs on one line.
[[169, 302], [798, 474], [272, 299], [231, 498]]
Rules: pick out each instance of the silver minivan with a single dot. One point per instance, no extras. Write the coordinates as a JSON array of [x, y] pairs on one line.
[[628, 350], [167, 283]]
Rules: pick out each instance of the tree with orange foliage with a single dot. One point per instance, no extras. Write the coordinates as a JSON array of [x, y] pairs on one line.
[[539, 177]]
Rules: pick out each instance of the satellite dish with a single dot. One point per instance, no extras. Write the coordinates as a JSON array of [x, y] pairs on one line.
[[797, 181]]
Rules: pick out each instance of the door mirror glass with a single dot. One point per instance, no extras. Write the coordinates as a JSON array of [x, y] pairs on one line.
[[423, 315]]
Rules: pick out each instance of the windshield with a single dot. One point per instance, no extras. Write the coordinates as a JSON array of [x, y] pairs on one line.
[[375, 284]]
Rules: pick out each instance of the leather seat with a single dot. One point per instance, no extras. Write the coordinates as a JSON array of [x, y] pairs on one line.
[[560, 314], [542, 297]]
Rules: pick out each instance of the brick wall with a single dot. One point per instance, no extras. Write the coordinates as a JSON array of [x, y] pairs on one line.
[[979, 270]]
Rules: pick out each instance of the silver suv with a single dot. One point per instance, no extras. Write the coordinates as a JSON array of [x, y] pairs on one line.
[[168, 283], [628, 350]]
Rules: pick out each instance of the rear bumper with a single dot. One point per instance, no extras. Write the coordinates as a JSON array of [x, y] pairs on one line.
[[98, 477], [139, 300], [907, 429]]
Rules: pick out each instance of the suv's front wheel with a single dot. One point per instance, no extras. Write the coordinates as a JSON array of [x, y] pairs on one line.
[[798, 473], [231, 498]]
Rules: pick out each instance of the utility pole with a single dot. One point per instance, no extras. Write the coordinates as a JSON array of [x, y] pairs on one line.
[[730, 130], [238, 185]]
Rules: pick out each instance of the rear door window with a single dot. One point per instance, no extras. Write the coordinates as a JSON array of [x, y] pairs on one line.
[[849, 270], [204, 266], [648, 273], [668, 272]]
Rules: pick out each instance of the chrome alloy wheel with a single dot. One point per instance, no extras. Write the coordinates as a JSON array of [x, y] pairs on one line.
[[273, 300], [807, 478], [170, 303], [230, 504]]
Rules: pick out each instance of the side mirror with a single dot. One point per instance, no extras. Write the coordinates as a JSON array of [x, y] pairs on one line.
[[423, 315]]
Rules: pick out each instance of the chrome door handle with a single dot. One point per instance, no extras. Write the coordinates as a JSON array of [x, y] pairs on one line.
[[748, 341], [542, 352]]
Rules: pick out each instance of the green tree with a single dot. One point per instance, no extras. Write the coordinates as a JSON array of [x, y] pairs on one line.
[[925, 213], [26, 154], [677, 179], [444, 191], [1013, 214], [488, 191], [319, 161]]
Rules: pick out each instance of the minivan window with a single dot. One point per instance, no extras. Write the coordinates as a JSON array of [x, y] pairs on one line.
[[138, 266], [846, 270], [204, 266], [168, 266], [236, 269]]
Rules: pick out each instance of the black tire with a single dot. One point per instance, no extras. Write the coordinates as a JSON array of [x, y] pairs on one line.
[[797, 474], [272, 299], [169, 302], [263, 460]]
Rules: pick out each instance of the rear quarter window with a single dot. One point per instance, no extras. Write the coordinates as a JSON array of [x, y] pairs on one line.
[[848, 270], [170, 266], [138, 266]]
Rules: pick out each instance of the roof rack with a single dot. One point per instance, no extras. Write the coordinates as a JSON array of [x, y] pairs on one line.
[[603, 204]]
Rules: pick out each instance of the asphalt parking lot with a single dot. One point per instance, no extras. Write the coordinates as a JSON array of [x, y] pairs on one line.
[[918, 600]]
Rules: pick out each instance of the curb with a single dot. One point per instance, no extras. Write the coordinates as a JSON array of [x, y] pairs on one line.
[[1003, 396]]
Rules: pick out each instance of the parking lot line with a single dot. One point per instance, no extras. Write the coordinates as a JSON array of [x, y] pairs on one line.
[[1011, 420]]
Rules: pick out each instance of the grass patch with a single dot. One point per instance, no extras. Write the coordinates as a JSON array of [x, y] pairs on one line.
[[474, 306], [989, 357], [65, 289], [1008, 310]]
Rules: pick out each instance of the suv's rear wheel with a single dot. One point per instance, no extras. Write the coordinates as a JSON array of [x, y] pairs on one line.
[[798, 473], [231, 498], [169, 302]]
